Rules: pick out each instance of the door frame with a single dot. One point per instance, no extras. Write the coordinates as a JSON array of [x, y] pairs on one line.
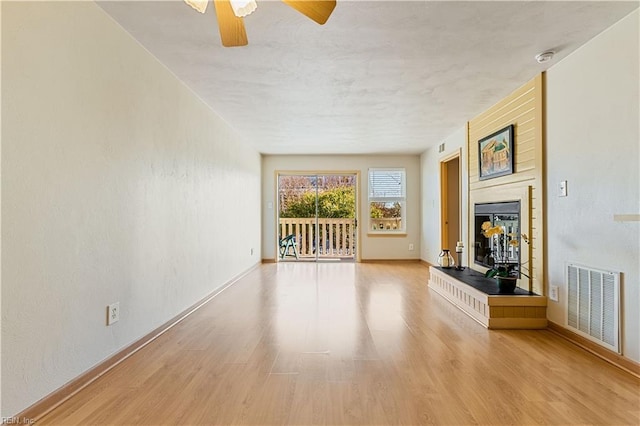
[[315, 172], [444, 197]]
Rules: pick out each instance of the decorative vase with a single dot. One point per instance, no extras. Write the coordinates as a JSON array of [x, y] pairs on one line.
[[445, 259], [506, 284]]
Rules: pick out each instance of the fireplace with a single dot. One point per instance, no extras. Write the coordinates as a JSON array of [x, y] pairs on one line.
[[505, 214]]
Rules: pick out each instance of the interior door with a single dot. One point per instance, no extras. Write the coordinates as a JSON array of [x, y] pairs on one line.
[[450, 203]]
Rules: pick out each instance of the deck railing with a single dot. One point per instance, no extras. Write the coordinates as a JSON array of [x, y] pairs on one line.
[[337, 237]]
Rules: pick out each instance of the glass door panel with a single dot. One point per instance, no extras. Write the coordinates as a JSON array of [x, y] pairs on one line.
[[319, 212]]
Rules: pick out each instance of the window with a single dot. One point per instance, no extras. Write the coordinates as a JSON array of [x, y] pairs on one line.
[[387, 200]]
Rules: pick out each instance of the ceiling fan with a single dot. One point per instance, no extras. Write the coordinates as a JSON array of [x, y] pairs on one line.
[[231, 12]]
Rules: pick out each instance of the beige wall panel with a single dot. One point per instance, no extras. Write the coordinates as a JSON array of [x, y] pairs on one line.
[[522, 113], [523, 109], [525, 160], [525, 177], [523, 150], [525, 127], [518, 97]]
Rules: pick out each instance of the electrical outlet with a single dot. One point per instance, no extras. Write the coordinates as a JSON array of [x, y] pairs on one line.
[[113, 313], [553, 293], [410, 247], [562, 189]]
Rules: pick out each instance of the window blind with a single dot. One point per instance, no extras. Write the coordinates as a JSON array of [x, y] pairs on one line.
[[386, 184]]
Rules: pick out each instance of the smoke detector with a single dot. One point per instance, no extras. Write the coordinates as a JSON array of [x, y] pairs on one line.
[[545, 56]]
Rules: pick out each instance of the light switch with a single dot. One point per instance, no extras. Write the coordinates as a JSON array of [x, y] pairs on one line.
[[553, 293]]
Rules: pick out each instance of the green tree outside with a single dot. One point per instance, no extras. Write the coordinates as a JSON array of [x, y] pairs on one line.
[[337, 202], [381, 210]]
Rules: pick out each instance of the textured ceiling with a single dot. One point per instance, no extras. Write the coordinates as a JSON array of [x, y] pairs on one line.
[[378, 77]]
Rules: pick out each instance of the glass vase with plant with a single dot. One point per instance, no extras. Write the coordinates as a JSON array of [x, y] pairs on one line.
[[504, 261]]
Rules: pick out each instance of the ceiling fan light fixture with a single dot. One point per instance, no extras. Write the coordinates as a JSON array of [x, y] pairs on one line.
[[230, 14], [199, 5], [242, 8]]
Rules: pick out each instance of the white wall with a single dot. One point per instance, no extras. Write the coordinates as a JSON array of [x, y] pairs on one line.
[[118, 184], [593, 143], [430, 177], [375, 247]]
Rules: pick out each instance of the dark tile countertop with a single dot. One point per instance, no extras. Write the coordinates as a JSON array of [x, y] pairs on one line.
[[478, 281]]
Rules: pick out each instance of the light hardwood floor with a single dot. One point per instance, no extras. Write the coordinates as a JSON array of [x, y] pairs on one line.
[[356, 344]]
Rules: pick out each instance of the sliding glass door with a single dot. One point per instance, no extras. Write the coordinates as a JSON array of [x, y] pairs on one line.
[[317, 217]]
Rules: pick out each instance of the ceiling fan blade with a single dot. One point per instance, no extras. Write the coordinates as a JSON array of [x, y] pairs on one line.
[[318, 10], [231, 27]]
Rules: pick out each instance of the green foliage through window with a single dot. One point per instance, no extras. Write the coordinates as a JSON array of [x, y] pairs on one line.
[[382, 210], [334, 202]]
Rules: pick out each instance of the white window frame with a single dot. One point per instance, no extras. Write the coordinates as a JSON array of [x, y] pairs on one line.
[[400, 198]]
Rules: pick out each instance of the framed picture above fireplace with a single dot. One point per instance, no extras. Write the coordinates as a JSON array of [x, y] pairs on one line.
[[496, 154]]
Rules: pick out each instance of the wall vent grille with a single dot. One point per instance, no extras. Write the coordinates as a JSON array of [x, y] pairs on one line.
[[594, 305]]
